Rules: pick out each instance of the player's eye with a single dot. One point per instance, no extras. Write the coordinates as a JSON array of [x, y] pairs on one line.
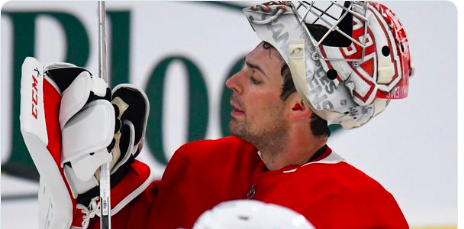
[[254, 80]]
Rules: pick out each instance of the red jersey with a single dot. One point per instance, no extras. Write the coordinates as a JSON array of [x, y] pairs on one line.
[[329, 192]]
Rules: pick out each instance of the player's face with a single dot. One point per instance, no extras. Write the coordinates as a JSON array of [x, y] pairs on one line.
[[257, 110]]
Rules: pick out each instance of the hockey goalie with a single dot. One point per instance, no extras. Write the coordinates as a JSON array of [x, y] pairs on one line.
[[304, 75]]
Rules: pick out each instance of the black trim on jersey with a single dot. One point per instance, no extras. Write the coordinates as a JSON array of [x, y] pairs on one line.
[[318, 153]]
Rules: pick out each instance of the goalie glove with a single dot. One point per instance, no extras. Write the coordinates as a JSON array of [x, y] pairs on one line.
[[131, 106], [129, 177], [68, 125], [44, 115]]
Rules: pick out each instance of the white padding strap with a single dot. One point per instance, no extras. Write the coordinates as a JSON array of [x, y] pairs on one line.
[[386, 70], [86, 136], [297, 67], [77, 185]]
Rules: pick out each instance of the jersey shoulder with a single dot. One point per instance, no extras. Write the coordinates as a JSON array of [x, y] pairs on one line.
[[334, 170], [356, 198]]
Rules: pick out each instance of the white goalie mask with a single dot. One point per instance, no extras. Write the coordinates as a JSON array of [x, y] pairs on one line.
[[347, 60], [251, 214]]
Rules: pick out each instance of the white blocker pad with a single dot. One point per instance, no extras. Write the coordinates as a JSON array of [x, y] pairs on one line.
[[40, 102], [76, 95], [86, 136]]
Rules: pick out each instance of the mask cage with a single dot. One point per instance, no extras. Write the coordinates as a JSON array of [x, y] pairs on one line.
[[331, 24]]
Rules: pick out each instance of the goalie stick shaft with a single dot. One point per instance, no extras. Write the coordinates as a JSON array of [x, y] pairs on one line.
[[105, 187], [102, 41]]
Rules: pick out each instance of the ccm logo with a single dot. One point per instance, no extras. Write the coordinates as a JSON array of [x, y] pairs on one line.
[[35, 93]]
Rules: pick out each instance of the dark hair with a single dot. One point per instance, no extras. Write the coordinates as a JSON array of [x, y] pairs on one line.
[[318, 125]]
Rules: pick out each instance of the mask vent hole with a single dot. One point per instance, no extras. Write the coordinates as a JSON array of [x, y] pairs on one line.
[[386, 51], [332, 74]]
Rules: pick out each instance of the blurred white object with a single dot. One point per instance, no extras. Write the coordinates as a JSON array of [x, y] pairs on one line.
[[251, 214]]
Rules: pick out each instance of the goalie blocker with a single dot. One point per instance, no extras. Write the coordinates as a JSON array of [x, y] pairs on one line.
[[71, 128]]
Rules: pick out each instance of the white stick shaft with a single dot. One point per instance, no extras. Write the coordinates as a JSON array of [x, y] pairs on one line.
[[103, 73], [105, 185], [105, 218]]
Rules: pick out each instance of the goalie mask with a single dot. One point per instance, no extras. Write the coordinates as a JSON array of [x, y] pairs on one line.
[[347, 60]]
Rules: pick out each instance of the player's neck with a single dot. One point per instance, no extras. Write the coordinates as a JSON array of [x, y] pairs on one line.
[[298, 150]]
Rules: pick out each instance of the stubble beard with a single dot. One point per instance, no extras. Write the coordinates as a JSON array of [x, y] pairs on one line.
[[270, 138]]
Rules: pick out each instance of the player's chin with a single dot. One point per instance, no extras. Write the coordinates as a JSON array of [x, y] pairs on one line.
[[235, 128]]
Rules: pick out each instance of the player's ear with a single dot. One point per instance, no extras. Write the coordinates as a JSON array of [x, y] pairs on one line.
[[298, 109]]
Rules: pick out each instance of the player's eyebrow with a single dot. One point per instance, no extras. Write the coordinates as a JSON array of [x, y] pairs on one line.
[[255, 66]]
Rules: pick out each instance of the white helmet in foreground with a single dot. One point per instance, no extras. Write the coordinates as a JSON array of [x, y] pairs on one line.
[[251, 214], [347, 60]]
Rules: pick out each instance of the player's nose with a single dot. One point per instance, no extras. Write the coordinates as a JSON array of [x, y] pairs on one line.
[[234, 82]]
